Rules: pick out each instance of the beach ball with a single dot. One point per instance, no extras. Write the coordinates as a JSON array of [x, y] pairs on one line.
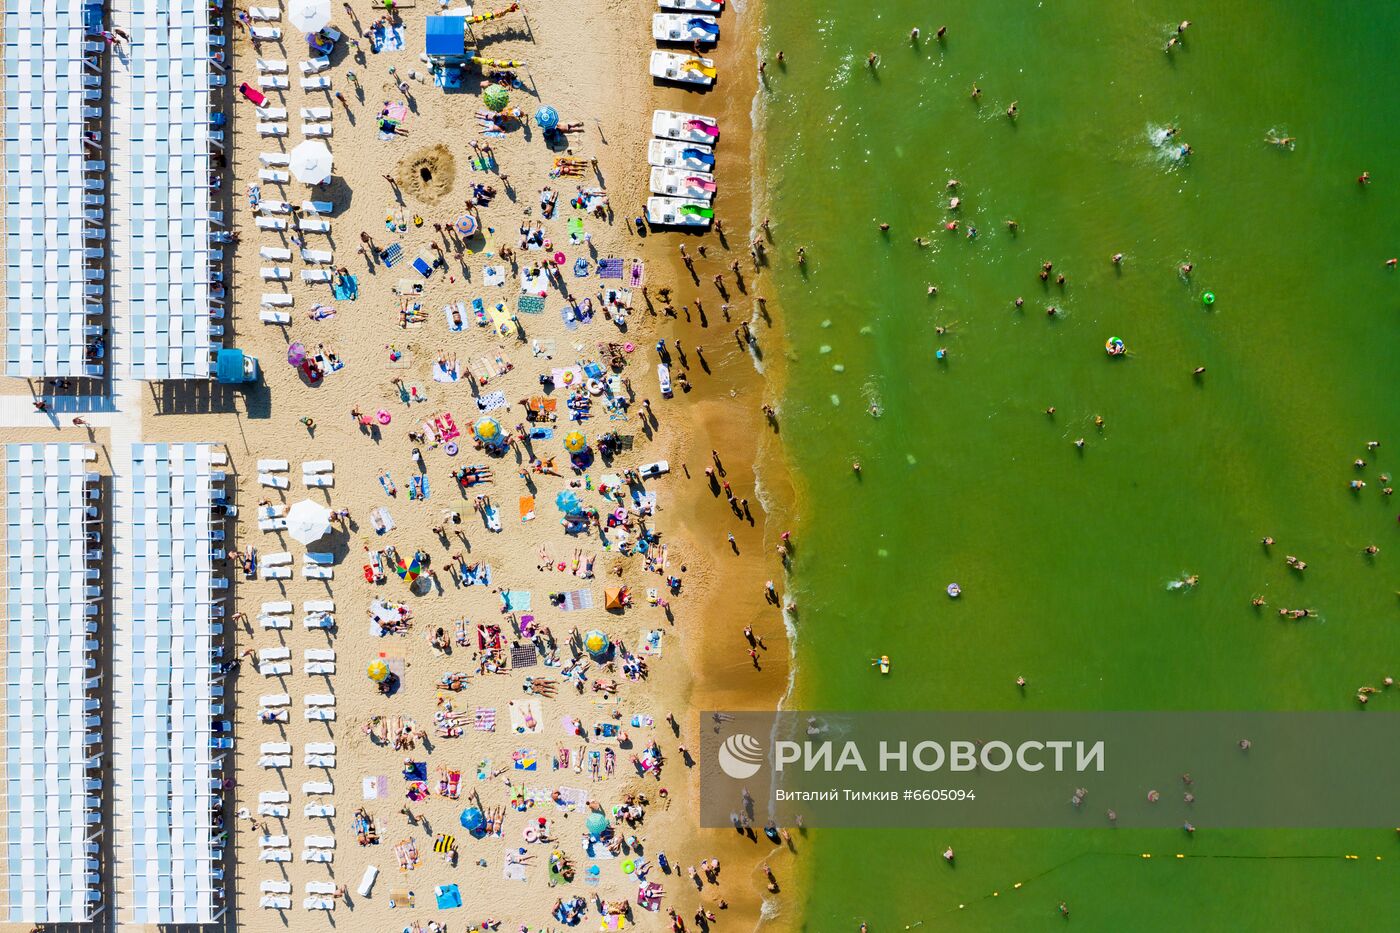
[[575, 442], [595, 823], [472, 819], [378, 671], [495, 97], [546, 118], [596, 643], [487, 430]]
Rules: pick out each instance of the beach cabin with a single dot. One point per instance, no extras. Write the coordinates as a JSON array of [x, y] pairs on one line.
[[446, 39]]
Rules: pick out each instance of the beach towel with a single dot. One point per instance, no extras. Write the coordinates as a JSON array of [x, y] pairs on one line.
[[540, 432], [375, 787], [390, 39], [492, 402], [575, 227], [392, 255], [422, 267], [485, 719], [534, 283], [524, 760], [447, 896], [570, 320], [415, 771], [516, 600], [481, 576], [396, 111], [610, 268], [523, 656], [444, 843], [575, 600], [493, 275], [649, 642], [449, 78], [445, 372], [636, 273], [493, 523], [345, 288], [456, 317], [530, 304], [527, 508], [513, 871], [525, 716], [580, 268]]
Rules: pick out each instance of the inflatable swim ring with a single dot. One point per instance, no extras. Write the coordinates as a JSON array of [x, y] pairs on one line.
[[595, 387], [629, 347], [954, 590], [450, 448], [530, 834], [1208, 298], [1114, 346], [384, 416], [628, 867]]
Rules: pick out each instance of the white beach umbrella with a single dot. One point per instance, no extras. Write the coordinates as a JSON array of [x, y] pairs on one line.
[[309, 15], [311, 162], [308, 520]]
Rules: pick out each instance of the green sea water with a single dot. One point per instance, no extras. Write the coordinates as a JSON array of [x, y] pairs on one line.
[[1066, 557]]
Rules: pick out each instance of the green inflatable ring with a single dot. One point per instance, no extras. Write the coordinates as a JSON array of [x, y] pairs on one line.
[[1208, 298]]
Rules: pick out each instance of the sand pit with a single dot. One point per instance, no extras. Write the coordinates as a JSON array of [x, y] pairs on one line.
[[428, 174]]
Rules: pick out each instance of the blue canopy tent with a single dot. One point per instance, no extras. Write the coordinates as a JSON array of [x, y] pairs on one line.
[[446, 39]]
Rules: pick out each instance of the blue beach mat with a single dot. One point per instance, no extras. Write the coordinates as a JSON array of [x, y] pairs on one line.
[[393, 254], [347, 290]]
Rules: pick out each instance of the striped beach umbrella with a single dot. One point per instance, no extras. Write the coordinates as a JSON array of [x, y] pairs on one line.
[[596, 643], [487, 430], [466, 225], [495, 98]]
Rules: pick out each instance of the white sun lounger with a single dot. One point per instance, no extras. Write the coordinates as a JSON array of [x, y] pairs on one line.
[[275, 761], [276, 300], [315, 65], [275, 482], [275, 253], [275, 158], [272, 129], [319, 699], [273, 113], [272, 223], [278, 653], [319, 620], [265, 33], [320, 654], [275, 317], [367, 880], [312, 572], [275, 748], [318, 605], [276, 887], [282, 606], [276, 855], [275, 842], [279, 523], [321, 748], [279, 573], [273, 206], [316, 275], [316, 114], [319, 842], [274, 796], [274, 82], [273, 466], [318, 668], [270, 700], [265, 14], [276, 668], [324, 481], [276, 902], [314, 226], [326, 810], [318, 855], [317, 130], [318, 255], [274, 622], [318, 207], [317, 466], [318, 787], [318, 83], [276, 176], [279, 810], [320, 714], [318, 903], [275, 273]]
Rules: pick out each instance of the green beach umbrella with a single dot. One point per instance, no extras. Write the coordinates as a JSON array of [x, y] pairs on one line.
[[595, 823], [495, 97]]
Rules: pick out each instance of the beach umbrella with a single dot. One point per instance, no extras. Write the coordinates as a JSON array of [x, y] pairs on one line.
[[410, 571], [612, 598], [546, 118], [296, 353], [487, 430], [472, 819], [567, 502], [495, 98], [378, 671], [308, 520], [596, 643], [575, 442], [595, 823], [466, 225], [311, 162], [309, 15]]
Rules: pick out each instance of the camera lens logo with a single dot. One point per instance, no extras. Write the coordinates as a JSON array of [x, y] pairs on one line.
[[740, 756]]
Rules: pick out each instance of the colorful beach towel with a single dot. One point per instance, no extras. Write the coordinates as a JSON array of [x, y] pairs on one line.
[[346, 288], [530, 304], [485, 719], [523, 656], [610, 268], [492, 402], [393, 254], [493, 275], [636, 273], [516, 600], [386, 39]]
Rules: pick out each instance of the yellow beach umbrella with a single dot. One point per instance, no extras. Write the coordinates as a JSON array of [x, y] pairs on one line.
[[378, 671], [575, 442], [488, 430]]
